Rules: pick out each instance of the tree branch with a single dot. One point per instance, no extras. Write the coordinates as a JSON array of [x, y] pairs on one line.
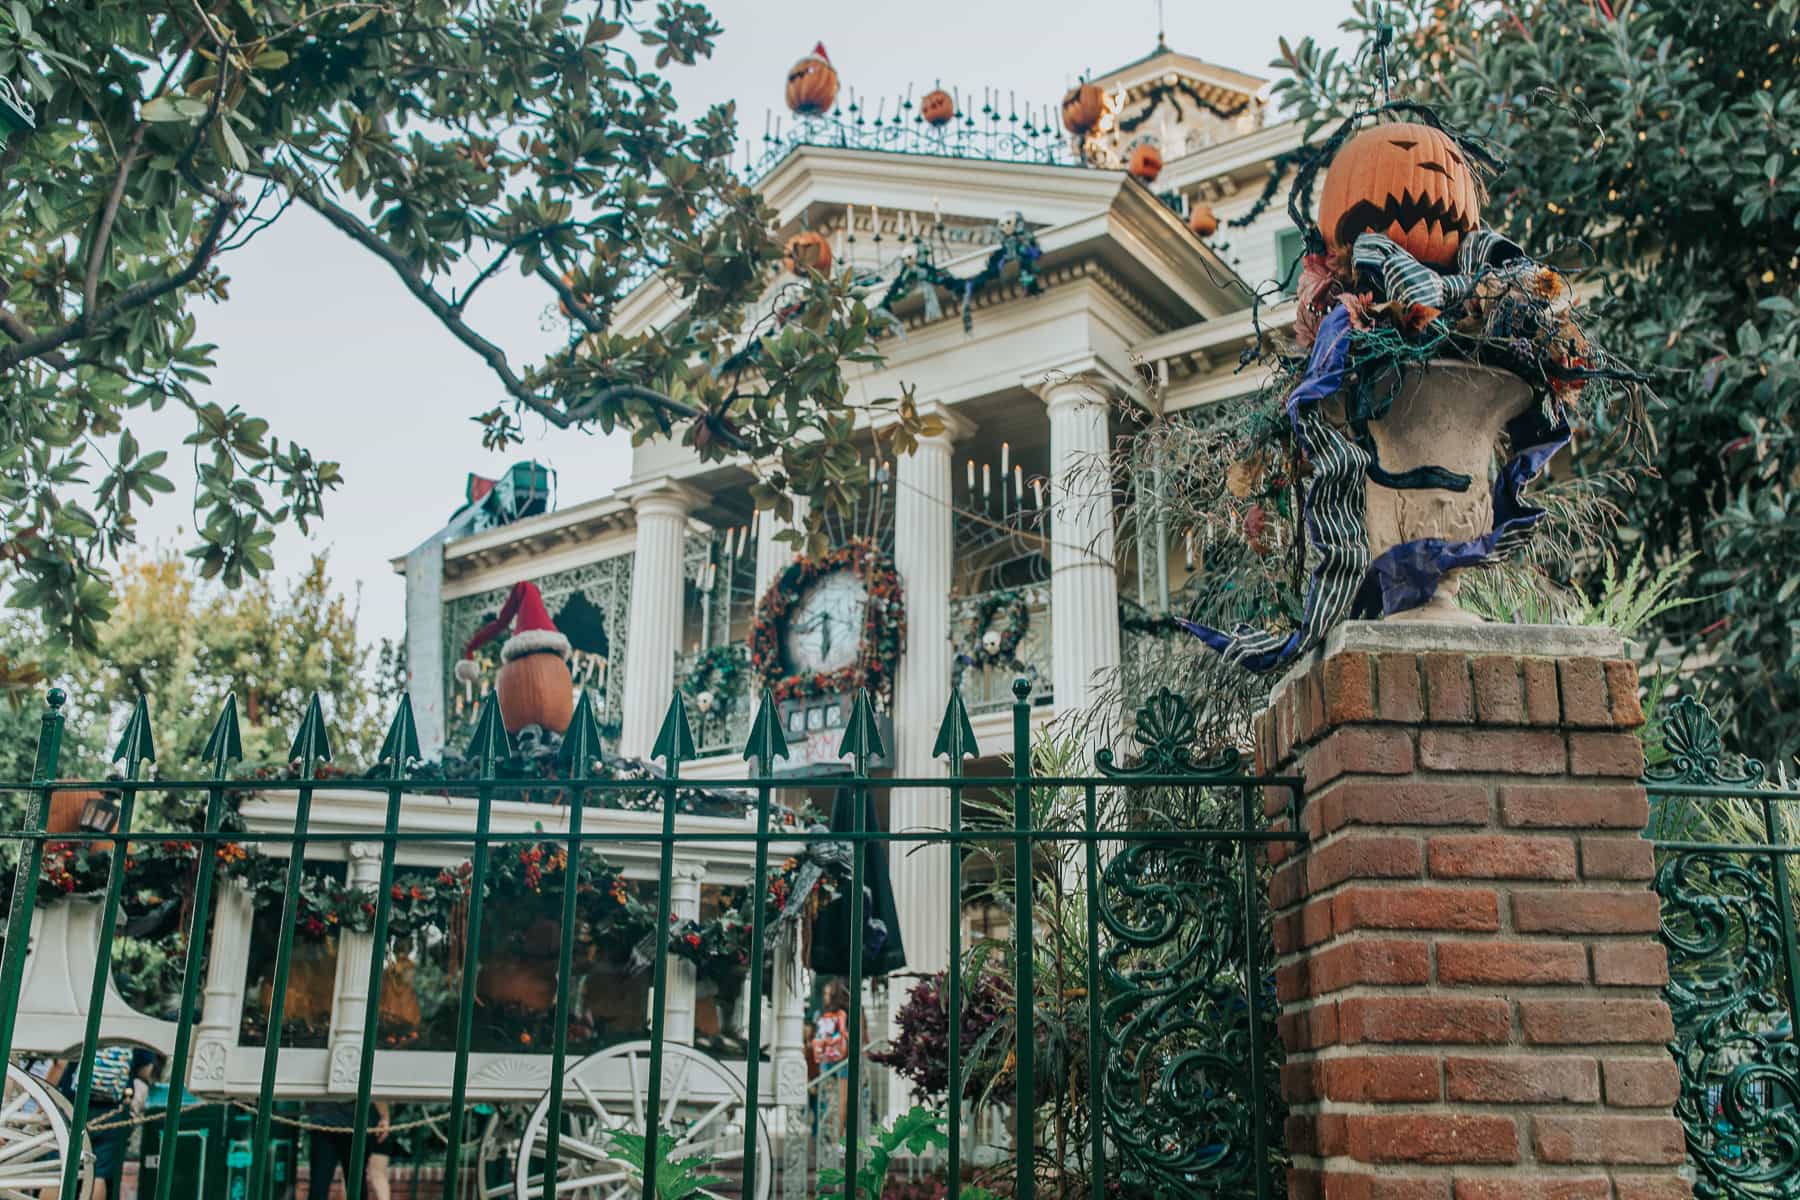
[[40, 344], [90, 283]]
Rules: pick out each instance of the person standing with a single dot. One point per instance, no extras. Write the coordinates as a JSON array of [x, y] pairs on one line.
[[333, 1136], [109, 1114]]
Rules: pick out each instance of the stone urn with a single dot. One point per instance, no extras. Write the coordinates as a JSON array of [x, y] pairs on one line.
[[1450, 415]]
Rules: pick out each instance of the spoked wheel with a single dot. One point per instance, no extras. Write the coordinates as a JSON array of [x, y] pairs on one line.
[[702, 1110], [498, 1148], [35, 1143]]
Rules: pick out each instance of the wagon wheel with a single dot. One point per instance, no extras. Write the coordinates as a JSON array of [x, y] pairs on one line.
[[702, 1107], [34, 1140], [499, 1144]]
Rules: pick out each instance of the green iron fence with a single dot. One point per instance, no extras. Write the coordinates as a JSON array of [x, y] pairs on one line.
[[1144, 1067], [1724, 853]]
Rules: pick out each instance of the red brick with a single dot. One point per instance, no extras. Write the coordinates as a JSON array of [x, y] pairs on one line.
[[1547, 1187], [1424, 1020], [1304, 1081], [1574, 806], [1572, 911], [1618, 755], [1459, 910], [1449, 694], [1528, 1079], [1284, 726], [1652, 1082], [1400, 695], [1313, 700], [1384, 1079], [1631, 964], [1316, 922], [1285, 932], [1287, 885], [1542, 705], [1499, 692], [1622, 693], [1305, 728], [1501, 856], [1595, 1022], [1513, 751], [1609, 1139], [1349, 681], [1435, 1138], [1521, 963], [1363, 856], [1346, 1185], [1365, 961], [1309, 1028], [1365, 803], [1617, 858], [1583, 694], [1360, 750], [1653, 1187]]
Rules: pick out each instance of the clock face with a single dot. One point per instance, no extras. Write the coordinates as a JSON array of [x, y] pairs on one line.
[[824, 630]]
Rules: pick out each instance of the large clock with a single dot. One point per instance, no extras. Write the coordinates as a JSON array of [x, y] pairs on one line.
[[824, 631]]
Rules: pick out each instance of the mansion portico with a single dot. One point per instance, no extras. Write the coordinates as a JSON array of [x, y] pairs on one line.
[[996, 522]]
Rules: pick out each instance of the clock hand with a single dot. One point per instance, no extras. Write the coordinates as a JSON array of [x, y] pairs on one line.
[[824, 635]]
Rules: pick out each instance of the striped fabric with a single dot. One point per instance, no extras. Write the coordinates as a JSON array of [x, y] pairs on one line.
[[1406, 279]]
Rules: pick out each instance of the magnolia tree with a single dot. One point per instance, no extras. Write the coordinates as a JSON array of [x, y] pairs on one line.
[[1655, 144], [451, 139]]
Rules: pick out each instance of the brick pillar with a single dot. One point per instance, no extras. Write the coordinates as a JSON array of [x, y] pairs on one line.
[[1468, 965]]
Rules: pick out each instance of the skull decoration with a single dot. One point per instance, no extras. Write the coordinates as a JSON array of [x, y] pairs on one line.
[[812, 84], [704, 701], [1012, 224], [990, 641], [1408, 181]]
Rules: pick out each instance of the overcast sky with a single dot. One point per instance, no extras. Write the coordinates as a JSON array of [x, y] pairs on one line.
[[322, 340]]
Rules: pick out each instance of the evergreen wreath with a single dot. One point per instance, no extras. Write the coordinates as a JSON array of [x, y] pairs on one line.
[[721, 671], [883, 633], [1010, 605]]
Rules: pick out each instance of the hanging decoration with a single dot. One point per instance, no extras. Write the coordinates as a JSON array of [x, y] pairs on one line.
[[1082, 108], [812, 83], [938, 108], [1439, 343], [1202, 221], [918, 272], [996, 628], [882, 635], [716, 682], [1144, 161], [807, 252], [1172, 92], [534, 683]]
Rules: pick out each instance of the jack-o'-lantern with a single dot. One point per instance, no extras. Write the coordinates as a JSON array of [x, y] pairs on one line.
[[812, 83], [1082, 107], [1145, 162], [807, 251], [534, 686], [937, 107], [1202, 220], [1410, 182]]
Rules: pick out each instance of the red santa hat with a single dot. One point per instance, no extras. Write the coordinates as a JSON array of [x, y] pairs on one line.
[[533, 632]]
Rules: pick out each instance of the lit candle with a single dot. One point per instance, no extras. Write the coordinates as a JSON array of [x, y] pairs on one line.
[[1005, 457], [871, 470], [1019, 483], [937, 211], [1037, 491], [971, 466], [850, 220], [875, 220], [985, 480]]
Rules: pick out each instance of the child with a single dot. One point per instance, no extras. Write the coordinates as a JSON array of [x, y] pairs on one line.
[[831, 1039]]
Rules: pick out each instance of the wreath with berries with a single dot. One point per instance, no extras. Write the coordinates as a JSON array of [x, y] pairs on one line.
[[883, 633], [721, 671], [1007, 607]]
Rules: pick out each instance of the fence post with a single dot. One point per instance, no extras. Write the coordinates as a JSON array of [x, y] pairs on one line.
[[1467, 957], [31, 863]]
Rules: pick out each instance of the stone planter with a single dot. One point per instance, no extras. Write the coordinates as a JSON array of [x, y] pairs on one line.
[[1450, 415]]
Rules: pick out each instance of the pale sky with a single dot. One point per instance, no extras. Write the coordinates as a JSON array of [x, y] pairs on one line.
[[322, 340]]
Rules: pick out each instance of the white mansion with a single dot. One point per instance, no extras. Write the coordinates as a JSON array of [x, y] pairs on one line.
[[659, 574]]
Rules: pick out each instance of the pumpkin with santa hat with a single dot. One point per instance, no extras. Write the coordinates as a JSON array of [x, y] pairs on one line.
[[534, 684]]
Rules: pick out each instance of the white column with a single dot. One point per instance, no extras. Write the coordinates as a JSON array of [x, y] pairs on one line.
[[654, 630], [1084, 591], [923, 545], [222, 994], [772, 556], [355, 952], [425, 641], [684, 904]]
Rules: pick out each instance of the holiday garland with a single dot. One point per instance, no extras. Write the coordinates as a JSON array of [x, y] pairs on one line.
[[883, 633], [1005, 653], [1172, 92], [1017, 244], [720, 671]]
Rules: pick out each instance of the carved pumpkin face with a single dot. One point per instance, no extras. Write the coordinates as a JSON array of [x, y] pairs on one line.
[[938, 107], [1410, 182], [812, 84], [808, 251], [1082, 107], [1145, 162]]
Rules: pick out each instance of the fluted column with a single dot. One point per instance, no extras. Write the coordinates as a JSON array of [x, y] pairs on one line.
[[656, 608], [684, 905], [355, 953], [923, 545], [1084, 591]]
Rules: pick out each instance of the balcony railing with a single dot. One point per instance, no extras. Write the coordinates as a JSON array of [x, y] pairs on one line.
[[986, 684]]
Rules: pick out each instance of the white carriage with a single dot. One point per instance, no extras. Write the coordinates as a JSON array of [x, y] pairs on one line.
[[704, 1105]]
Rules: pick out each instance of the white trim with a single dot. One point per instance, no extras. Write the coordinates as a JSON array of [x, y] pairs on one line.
[[533, 641]]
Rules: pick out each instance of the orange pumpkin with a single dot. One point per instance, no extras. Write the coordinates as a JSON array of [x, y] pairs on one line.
[[808, 251], [1202, 220], [1408, 181], [812, 84], [1145, 162], [535, 689], [937, 108], [1082, 107]]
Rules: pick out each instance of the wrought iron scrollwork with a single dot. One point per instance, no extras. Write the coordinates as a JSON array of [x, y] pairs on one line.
[[1729, 939], [1167, 730]]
